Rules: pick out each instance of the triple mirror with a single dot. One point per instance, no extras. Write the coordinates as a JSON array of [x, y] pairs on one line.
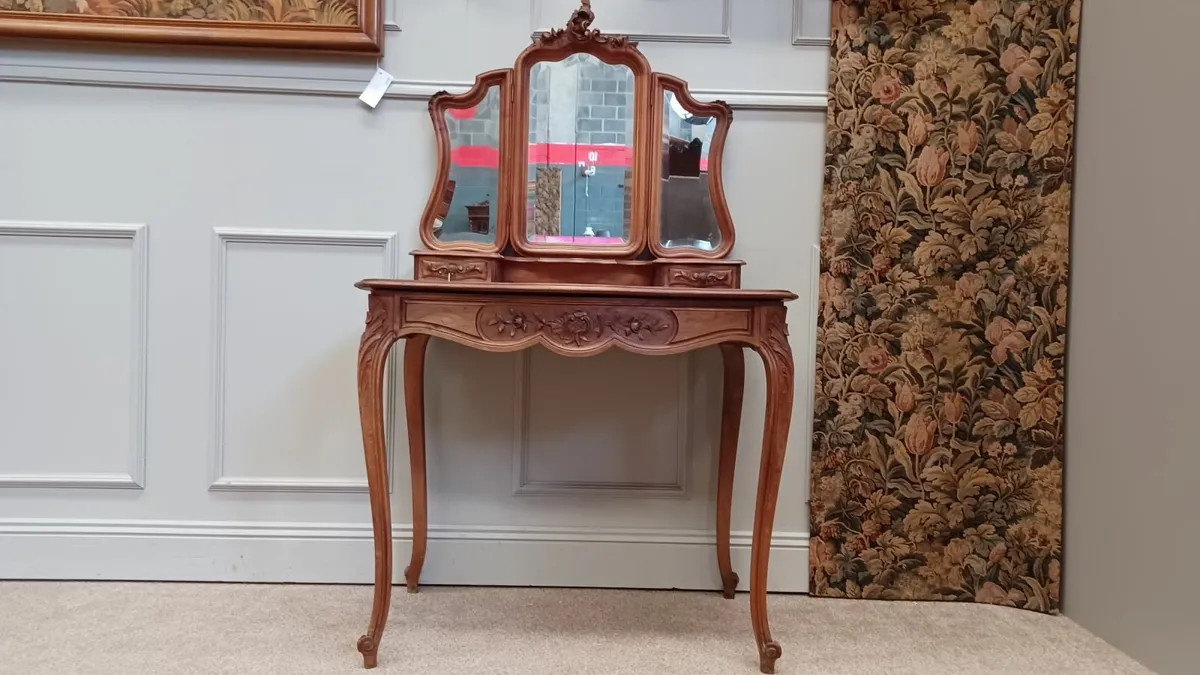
[[579, 151]]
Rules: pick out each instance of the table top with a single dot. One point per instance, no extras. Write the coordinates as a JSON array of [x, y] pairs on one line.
[[575, 290]]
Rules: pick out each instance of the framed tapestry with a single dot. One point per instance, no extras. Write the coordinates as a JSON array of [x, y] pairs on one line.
[[321, 25]]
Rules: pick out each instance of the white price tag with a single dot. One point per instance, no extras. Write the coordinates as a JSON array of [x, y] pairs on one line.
[[376, 88]]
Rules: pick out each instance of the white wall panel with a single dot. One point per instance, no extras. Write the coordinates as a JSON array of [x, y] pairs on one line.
[[811, 22], [286, 331], [702, 21], [190, 141], [72, 355], [583, 431]]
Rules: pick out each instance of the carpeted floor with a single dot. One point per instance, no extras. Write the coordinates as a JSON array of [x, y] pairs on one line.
[[211, 629]]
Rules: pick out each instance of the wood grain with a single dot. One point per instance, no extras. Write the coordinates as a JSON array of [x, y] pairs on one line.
[[733, 388], [414, 406], [377, 340], [772, 345]]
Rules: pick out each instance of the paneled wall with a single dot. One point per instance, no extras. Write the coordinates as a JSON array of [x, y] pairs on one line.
[[179, 236]]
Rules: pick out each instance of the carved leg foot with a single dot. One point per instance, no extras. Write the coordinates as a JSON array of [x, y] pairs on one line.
[[377, 341], [731, 419], [370, 651], [729, 584], [767, 655], [414, 406], [777, 359]]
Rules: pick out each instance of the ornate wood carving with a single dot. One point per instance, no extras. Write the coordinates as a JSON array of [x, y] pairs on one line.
[[555, 45], [577, 301], [577, 327], [451, 271], [377, 340], [777, 361], [579, 31], [577, 320], [701, 278]]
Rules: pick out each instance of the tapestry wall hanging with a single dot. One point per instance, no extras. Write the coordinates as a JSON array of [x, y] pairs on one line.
[[322, 25], [938, 433]]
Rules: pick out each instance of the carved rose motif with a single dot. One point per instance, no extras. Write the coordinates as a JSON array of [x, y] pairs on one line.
[[511, 324], [640, 326], [575, 327], [702, 279], [452, 270]]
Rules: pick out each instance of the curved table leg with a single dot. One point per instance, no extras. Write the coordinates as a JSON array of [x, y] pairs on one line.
[[731, 419], [377, 341], [777, 360], [414, 406]]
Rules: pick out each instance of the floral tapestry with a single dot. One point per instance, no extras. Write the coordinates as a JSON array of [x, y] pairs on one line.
[[938, 432]]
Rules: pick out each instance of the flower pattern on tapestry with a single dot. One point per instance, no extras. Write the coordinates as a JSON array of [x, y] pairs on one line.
[[320, 12], [938, 431]]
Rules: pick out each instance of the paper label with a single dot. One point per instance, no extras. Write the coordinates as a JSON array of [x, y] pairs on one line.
[[376, 88]]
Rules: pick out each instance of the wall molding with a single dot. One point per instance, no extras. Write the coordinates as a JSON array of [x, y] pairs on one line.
[[720, 38], [799, 39], [678, 489], [391, 16], [343, 553], [385, 241], [410, 90], [230, 529], [135, 476]]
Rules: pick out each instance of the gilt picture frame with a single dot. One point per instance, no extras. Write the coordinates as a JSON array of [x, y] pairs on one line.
[[347, 26]]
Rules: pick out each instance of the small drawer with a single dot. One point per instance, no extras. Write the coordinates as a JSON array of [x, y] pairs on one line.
[[455, 269], [699, 276]]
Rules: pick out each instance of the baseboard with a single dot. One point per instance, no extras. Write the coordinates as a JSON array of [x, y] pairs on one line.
[[344, 553]]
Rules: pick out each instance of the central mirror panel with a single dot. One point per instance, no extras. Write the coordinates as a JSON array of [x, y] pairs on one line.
[[581, 152]]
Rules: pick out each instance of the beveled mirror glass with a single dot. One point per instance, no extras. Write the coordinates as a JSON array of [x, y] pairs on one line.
[[469, 205], [581, 149], [686, 214], [689, 208]]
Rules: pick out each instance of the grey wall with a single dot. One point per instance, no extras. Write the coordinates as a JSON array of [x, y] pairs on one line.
[[1132, 507]]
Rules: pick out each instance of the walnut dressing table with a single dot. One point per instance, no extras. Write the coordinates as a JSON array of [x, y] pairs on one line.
[[578, 206]]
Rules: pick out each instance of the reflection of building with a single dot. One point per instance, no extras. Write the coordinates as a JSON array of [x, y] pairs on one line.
[[580, 111], [470, 196], [686, 204]]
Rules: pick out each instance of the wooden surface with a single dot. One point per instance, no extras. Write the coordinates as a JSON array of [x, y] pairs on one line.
[[732, 295], [577, 320]]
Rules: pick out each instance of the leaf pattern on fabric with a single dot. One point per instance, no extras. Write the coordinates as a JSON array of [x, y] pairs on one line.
[[938, 431]]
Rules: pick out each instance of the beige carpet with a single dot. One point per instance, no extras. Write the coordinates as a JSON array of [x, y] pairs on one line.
[[210, 629]]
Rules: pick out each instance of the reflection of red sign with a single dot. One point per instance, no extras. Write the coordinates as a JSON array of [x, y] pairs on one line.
[[462, 113]]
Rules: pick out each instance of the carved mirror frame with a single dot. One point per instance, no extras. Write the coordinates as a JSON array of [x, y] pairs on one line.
[[439, 105], [557, 45], [643, 259], [723, 115]]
